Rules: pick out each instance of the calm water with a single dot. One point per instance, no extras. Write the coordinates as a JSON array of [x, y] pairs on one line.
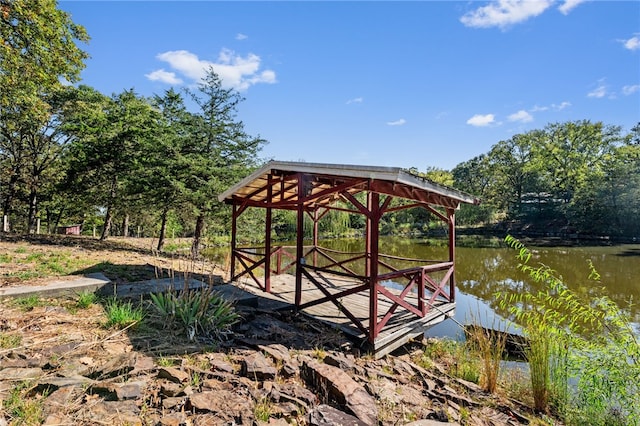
[[481, 272]]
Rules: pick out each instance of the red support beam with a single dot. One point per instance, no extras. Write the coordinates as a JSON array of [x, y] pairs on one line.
[[267, 239], [316, 219], [234, 226], [373, 231], [452, 252], [300, 240]]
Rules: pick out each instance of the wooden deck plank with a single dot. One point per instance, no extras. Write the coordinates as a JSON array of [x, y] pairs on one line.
[[402, 327]]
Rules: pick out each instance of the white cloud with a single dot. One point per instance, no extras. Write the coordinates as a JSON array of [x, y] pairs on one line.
[[538, 108], [480, 120], [521, 116], [504, 13], [400, 122], [632, 44], [357, 100], [598, 92], [234, 70], [569, 5], [561, 106], [163, 77], [630, 90], [241, 36]]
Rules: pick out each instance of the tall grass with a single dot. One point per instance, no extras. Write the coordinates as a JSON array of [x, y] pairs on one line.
[[489, 345], [589, 341], [122, 314]]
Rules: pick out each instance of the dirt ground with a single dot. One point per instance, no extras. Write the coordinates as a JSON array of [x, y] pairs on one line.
[[34, 260]]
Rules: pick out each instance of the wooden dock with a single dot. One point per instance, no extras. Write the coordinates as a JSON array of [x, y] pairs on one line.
[[401, 328]]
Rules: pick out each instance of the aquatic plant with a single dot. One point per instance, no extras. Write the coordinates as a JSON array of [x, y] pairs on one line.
[[591, 341]]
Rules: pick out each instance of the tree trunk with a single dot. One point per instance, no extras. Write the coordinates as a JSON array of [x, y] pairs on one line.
[[56, 221], [107, 224], [10, 195], [195, 246], [125, 225], [108, 217], [33, 210], [163, 229]]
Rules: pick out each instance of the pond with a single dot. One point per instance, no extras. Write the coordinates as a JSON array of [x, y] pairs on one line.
[[481, 272]]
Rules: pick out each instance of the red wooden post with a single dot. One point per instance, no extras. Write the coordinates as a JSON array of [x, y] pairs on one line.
[[234, 222], [421, 305], [300, 239], [316, 219], [267, 239], [451, 215], [373, 231]]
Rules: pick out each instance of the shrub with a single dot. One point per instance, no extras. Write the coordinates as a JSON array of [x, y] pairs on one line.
[[198, 312]]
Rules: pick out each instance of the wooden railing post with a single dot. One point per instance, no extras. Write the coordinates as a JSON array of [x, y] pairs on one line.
[[452, 253], [234, 223], [267, 240], [421, 306]]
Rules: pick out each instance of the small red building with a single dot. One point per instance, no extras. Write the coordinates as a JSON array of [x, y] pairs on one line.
[[70, 229]]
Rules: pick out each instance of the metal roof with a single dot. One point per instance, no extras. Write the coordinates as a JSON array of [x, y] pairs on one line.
[[276, 185]]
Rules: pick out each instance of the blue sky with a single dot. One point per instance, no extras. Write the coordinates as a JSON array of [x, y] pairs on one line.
[[408, 84]]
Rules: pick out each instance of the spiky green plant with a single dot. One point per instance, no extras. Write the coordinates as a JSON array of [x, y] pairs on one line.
[[197, 311]]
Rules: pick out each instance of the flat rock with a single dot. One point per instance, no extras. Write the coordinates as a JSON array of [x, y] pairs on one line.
[[297, 394], [114, 412], [338, 359], [20, 374], [257, 367], [325, 415], [222, 403], [61, 382], [343, 388], [173, 374], [174, 419], [129, 390]]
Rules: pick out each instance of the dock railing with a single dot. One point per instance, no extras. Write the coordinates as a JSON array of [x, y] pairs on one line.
[[414, 288]]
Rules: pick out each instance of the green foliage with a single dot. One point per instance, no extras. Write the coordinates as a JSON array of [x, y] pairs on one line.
[[121, 314], [590, 340], [86, 299], [37, 53], [28, 303], [460, 361], [198, 312], [8, 340], [22, 409], [263, 408], [489, 346]]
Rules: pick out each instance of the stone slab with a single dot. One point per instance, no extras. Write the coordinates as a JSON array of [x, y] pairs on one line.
[[237, 295], [87, 283], [144, 288]]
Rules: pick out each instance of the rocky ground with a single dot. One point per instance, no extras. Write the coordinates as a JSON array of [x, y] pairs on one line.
[[60, 365]]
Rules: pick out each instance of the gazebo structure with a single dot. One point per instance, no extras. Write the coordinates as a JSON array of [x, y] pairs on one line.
[[366, 294]]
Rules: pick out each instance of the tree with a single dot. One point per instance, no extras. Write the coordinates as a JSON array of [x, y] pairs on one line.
[[37, 52], [513, 169], [167, 167], [475, 177], [222, 152], [111, 136], [571, 152]]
